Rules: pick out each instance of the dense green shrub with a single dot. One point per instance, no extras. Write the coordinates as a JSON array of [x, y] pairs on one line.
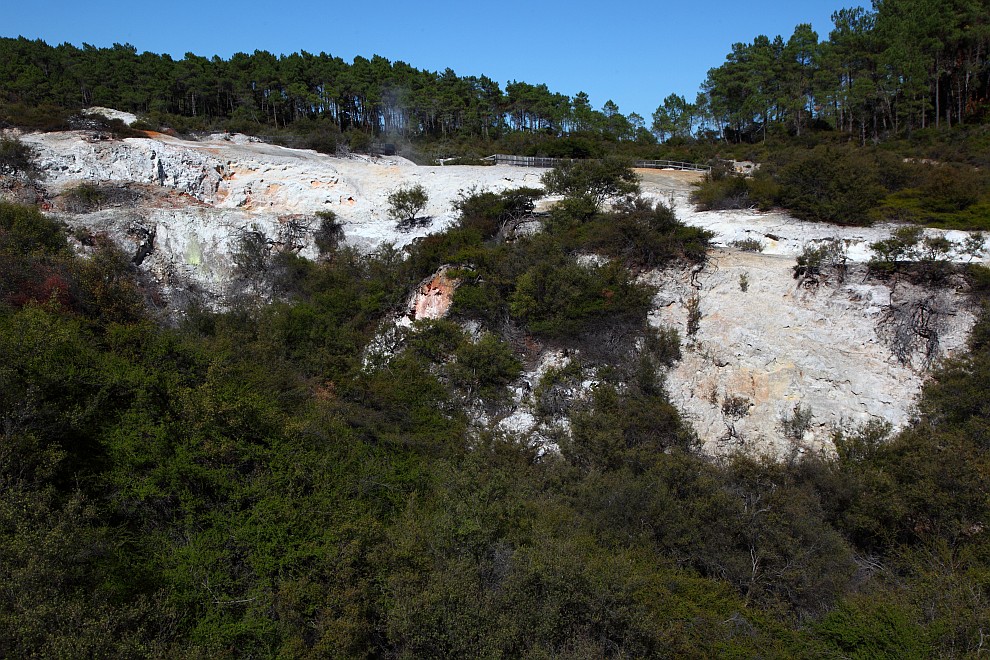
[[484, 367], [594, 180], [406, 203], [15, 157], [490, 212], [948, 189], [721, 191], [830, 185], [329, 233], [645, 235], [560, 298]]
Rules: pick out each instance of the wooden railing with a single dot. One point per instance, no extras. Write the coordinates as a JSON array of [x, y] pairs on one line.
[[537, 161]]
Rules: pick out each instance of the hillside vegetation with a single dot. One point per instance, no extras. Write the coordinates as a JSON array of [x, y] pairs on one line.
[[248, 483], [269, 481]]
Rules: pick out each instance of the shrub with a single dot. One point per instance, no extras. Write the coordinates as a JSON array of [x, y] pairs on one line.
[[818, 262], [693, 315], [797, 422], [490, 212], [16, 157], [664, 345], [594, 180], [83, 198], [830, 185], [435, 340], [947, 189], [484, 367], [570, 213], [721, 192], [748, 245], [24, 230], [329, 233], [560, 298], [552, 394], [406, 203], [252, 256], [646, 235]]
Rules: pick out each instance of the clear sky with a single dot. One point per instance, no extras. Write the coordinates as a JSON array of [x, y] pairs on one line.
[[634, 52]]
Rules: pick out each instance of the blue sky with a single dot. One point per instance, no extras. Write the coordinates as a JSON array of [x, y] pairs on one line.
[[634, 52]]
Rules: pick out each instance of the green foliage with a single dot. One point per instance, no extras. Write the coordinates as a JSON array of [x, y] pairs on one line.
[[694, 315], [889, 253], [435, 340], [950, 189], [629, 431], [16, 157], [406, 203], [484, 367], [252, 256], [594, 180], [490, 213], [720, 192], [829, 185], [329, 234], [25, 231], [664, 345], [552, 394], [84, 198], [748, 245], [862, 629], [821, 260], [950, 196], [560, 298], [643, 234], [797, 422]]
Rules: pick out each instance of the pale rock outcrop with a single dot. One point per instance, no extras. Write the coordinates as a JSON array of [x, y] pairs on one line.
[[432, 298], [215, 189], [779, 344]]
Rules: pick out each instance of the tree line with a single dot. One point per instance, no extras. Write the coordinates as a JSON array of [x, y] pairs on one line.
[[373, 95], [901, 66]]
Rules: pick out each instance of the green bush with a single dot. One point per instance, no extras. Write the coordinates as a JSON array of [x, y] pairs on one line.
[[560, 298], [483, 368], [406, 203], [329, 234], [594, 180], [435, 340], [716, 193], [16, 157], [24, 231], [947, 189], [644, 235], [820, 260], [84, 198], [830, 185], [489, 212]]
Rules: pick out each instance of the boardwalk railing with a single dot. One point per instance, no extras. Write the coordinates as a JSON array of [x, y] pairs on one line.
[[537, 161]]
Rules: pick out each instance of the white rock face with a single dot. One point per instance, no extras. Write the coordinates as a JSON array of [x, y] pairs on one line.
[[220, 187], [110, 113], [778, 345], [70, 158]]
